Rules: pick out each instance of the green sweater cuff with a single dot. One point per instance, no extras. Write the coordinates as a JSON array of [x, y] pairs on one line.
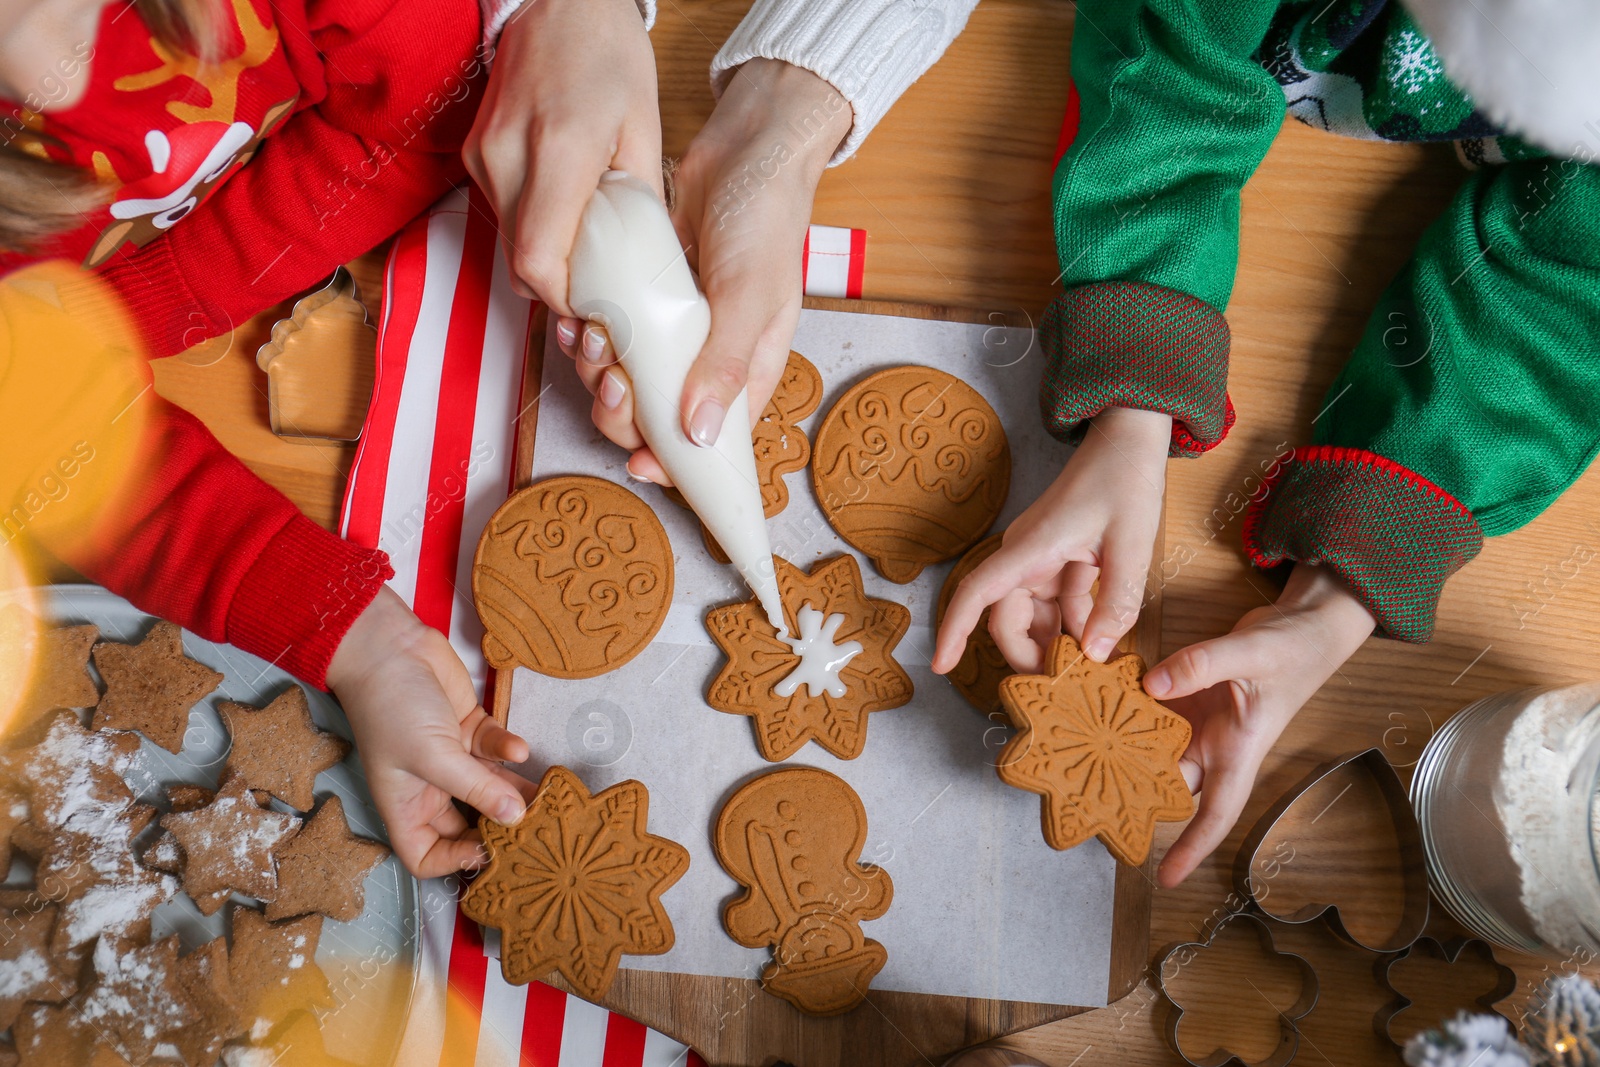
[[1136, 345], [1390, 534]]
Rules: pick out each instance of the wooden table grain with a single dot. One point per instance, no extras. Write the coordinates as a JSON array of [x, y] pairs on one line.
[[953, 188]]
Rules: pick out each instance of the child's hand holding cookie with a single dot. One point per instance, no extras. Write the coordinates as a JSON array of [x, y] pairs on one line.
[[1097, 520], [424, 738], [1239, 692]]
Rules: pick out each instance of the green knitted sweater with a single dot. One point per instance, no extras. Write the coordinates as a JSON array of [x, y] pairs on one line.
[[1469, 404]]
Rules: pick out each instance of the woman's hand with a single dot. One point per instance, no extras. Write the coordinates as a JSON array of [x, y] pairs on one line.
[[423, 738], [1097, 521], [743, 199], [1239, 692], [571, 95]]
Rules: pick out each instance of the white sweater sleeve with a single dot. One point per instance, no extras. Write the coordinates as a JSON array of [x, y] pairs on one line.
[[869, 50], [496, 13]]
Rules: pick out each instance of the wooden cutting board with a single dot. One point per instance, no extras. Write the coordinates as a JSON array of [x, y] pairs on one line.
[[731, 1021]]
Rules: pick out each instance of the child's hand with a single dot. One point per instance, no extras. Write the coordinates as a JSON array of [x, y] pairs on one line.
[[423, 738], [1239, 692], [572, 94], [743, 202], [1098, 519]]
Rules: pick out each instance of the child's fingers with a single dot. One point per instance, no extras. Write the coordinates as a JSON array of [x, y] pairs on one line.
[[1223, 794], [465, 778], [1011, 624], [1200, 666], [445, 856], [492, 741], [1116, 604], [988, 582], [1077, 596]]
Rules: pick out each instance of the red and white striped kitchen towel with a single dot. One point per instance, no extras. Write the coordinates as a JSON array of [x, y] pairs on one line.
[[435, 461]]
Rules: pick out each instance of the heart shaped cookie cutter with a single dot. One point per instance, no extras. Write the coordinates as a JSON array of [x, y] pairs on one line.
[[1287, 836], [1449, 952], [1289, 1032]]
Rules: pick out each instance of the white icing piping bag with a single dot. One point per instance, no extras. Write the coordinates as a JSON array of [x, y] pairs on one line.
[[628, 273]]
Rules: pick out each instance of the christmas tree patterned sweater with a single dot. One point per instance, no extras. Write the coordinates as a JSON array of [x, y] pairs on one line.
[[1471, 428]]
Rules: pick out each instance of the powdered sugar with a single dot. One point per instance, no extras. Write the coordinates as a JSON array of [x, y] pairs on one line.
[[25, 974]]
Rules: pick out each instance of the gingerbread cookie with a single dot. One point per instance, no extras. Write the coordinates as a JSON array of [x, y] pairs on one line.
[[572, 578], [576, 883], [911, 467], [68, 771], [297, 1044], [1099, 750], [206, 984], [151, 686], [61, 662], [977, 674], [228, 844], [29, 969], [793, 839], [13, 814], [322, 868], [278, 749], [273, 968], [135, 1002], [781, 446], [821, 683]]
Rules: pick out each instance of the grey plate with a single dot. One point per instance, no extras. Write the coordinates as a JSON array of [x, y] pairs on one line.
[[371, 963]]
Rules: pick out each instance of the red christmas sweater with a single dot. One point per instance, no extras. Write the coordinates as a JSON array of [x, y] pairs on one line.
[[324, 127]]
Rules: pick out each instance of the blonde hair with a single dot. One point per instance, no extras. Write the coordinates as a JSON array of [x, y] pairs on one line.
[[40, 198]]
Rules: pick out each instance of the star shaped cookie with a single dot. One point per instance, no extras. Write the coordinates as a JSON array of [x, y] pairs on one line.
[[1100, 750], [227, 845], [273, 968], [576, 883], [32, 971], [278, 748], [321, 869], [61, 667], [849, 662], [151, 686], [69, 771], [206, 984]]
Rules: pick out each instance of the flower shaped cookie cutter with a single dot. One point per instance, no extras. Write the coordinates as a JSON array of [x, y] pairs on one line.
[[1176, 958]]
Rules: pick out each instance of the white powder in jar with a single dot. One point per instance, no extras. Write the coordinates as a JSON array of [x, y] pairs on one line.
[[1545, 803]]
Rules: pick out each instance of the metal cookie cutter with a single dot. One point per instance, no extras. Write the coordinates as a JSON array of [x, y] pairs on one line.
[[319, 364], [1448, 952], [1262, 857], [1176, 957]]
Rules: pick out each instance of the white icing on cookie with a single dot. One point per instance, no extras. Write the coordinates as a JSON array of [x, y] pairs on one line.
[[821, 659]]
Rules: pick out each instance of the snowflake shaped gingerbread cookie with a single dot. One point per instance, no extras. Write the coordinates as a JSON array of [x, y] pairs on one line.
[[1101, 751], [576, 884], [821, 685]]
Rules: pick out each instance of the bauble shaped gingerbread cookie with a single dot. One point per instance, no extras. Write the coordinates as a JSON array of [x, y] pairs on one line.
[[572, 578], [981, 668], [911, 466]]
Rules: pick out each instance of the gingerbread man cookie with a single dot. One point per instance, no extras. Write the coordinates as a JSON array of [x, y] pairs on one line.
[[1099, 750], [793, 839], [820, 683], [576, 883], [572, 578], [911, 466]]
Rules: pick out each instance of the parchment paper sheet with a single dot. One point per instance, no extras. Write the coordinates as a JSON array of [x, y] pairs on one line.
[[982, 907]]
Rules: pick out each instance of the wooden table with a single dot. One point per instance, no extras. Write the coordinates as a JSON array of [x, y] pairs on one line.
[[953, 188]]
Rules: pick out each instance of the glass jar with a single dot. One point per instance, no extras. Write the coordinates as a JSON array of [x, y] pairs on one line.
[[1505, 794]]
